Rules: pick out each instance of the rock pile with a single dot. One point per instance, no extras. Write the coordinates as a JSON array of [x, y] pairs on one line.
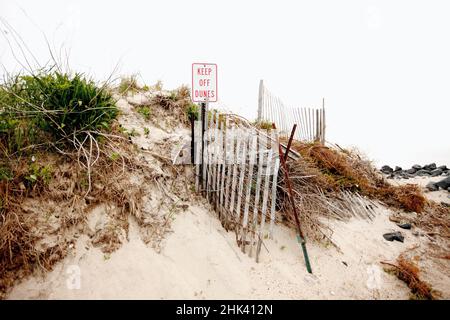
[[429, 170], [443, 184]]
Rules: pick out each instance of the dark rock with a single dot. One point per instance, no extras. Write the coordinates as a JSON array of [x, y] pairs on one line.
[[430, 166], [436, 172], [432, 186], [416, 167], [443, 168], [423, 172], [391, 236], [444, 184], [386, 169], [404, 225], [397, 169], [411, 171]]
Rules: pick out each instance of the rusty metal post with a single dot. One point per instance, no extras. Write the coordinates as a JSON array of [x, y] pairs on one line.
[[290, 142], [300, 236]]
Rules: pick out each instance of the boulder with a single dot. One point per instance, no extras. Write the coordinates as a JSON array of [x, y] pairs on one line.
[[422, 173], [430, 166], [404, 225], [444, 184], [407, 175], [394, 236], [436, 172], [411, 171], [432, 186], [416, 167], [397, 169], [443, 168], [386, 169]]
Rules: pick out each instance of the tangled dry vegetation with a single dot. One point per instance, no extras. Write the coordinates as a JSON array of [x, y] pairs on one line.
[[338, 183], [63, 153], [339, 169], [407, 271], [46, 200], [174, 107]]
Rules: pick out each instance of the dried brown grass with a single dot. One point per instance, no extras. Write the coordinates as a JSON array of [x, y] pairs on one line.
[[338, 169], [60, 204], [337, 183], [407, 271]]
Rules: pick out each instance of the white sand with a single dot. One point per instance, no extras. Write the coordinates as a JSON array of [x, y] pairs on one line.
[[200, 260]]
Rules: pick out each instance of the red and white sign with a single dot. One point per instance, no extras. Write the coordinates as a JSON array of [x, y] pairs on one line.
[[204, 82]]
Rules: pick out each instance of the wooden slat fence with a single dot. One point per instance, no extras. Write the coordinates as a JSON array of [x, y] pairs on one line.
[[237, 171], [310, 121]]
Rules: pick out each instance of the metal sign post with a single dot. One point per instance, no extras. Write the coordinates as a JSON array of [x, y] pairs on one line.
[[204, 90], [204, 117]]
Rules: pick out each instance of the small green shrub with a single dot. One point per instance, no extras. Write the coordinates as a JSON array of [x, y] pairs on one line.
[[38, 174], [264, 125], [146, 131], [183, 92], [114, 156], [54, 103], [145, 111], [129, 84], [192, 111], [134, 133], [158, 86], [5, 173], [173, 96]]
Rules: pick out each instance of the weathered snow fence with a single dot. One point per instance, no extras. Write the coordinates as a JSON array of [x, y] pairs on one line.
[[311, 121], [240, 171]]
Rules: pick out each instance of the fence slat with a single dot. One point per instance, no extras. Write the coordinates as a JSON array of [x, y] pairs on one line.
[[317, 125], [234, 177], [229, 165], [209, 157], [198, 150], [274, 181], [262, 141], [252, 160], [307, 122], [324, 125], [223, 166], [242, 171], [264, 203]]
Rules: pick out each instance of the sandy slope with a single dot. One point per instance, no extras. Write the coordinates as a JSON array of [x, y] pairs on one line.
[[200, 260]]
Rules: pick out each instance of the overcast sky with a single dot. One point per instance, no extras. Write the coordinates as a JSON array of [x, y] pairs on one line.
[[383, 67]]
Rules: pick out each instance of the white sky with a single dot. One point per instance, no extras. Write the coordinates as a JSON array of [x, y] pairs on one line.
[[382, 66]]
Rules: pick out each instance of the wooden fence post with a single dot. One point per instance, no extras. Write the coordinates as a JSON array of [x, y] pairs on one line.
[[260, 100]]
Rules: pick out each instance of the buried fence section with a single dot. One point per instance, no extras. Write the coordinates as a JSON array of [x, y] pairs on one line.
[[311, 121], [241, 170]]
